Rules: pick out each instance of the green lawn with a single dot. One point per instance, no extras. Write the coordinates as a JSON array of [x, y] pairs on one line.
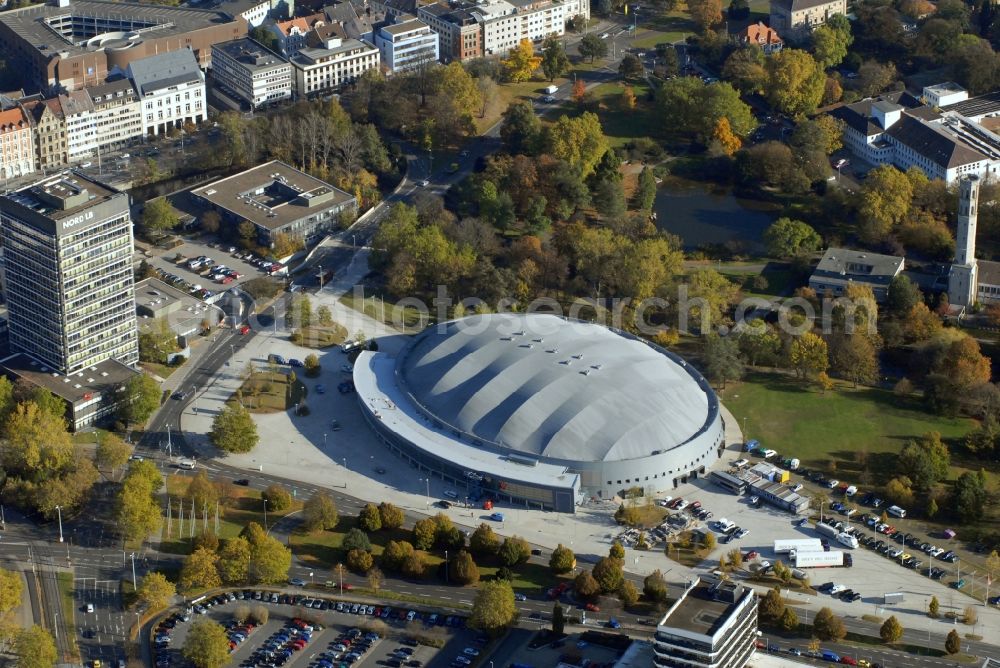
[[318, 336], [621, 124], [385, 311], [68, 604], [269, 392], [798, 421]]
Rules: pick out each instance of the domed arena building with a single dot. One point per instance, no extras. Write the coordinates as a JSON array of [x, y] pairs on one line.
[[540, 410]]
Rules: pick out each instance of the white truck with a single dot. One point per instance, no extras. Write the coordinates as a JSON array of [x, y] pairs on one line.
[[829, 559], [847, 540], [551, 90], [797, 545]]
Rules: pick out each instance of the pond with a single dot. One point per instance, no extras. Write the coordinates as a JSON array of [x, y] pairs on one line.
[[704, 214]]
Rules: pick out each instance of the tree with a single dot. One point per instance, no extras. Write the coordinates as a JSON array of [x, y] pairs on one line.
[[925, 460], [723, 139], [319, 513], [37, 447], [771, 606], [789, 621], [11, 590], [885, 199], [493, 609], [35, 648], [964, 364], [269, 558], [891, 630], [375, 578], [787, 238], [514, 551], [795, 82], [233, 430], [312, 365], [579, 92], [360, 561], [202, 492], [902, 296], [484, 541], [463, 569], [745, 69], [234, 561], [562, 560], [159, 216], [694, 108], [555, 62], [390, 516], [645, 193], [521, 62], [832, 41], [608, 573], [705, 13], [156, 591], [855, 358], [369, 519], [277, 498], [585, 585], [592, 46], [487, 87], [628, 594], [580, 141], [259, 615], [630, 67], [722, 359], [200, 570], [112, 452], [206, 645], [138, 513], [828, 627], [934, 607], [969, 496], [356, 539], [521, 128], [654, 587], [395, 555], [324, 316], [424, 533], [558, 619], [808, 355], [953, 642]]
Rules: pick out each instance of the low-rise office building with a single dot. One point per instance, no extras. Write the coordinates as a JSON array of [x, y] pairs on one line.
[[116, 114], [406, 44], [841, 266], [251, 72], [183, 313], [338, 61], [277, 199], [92, 395], [712, 625]]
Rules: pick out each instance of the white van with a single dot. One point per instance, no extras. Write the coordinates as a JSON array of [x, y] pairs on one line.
[[896, 511], [188, 464], [724, 525]]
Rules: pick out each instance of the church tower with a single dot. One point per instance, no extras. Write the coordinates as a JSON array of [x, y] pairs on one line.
[[963, 281]]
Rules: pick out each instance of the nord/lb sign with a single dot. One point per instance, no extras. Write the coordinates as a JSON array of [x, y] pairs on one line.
[[76, 220]]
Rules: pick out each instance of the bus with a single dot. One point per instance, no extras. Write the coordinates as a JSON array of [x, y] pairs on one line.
[[729, 482]]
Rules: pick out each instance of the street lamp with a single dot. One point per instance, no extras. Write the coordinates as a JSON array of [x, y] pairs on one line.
[[427, 495], [135, 583], [324, 441], [446, 566], [265, 513], [59, 510]]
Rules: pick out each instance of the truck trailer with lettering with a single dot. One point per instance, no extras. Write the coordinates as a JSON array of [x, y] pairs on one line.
[[831, 559]]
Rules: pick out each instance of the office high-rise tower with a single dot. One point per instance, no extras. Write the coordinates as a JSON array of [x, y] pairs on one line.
[[68, 272]]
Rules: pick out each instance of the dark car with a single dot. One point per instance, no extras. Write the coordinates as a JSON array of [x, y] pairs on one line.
[[242, 482], [294, 362]]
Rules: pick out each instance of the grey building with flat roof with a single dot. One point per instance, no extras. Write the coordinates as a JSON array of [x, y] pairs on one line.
[[251, 72], [68, 272], [277, 198], [712, 625]]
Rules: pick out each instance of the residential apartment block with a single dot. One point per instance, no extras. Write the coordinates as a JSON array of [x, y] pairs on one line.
[[68, 273], [712, 625], [798, 17], [944, 142], [251, 72], [102, 117], [470, 30], [49, 125], [320, 70], [17, 144], [171, 88], [406, 44]]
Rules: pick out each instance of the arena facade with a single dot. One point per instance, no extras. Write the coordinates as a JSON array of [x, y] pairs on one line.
[[540, 410]]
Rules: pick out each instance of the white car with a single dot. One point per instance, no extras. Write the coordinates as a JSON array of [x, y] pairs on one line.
[[682, 505], [797, 487], [836, 589], [664, 501], [832, 483], [90, 607], [423, 183], [770, 453], [471, 651]]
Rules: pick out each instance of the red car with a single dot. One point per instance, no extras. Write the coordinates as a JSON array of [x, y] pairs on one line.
[[244, 329], [695, 506], [590, 607], [676, 502], [848, 661], [751, 555]]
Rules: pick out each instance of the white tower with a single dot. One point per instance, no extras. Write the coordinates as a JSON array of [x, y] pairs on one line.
[[963, 281]]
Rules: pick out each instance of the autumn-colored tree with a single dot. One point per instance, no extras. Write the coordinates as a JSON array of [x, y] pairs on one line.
[[886, 197], [705, 13], [579, 91], [628, 99], [808, 355], [724, 138], [795, 81], [521, 62]]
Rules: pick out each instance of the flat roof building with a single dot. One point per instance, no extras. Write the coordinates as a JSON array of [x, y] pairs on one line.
[[277, 198], [68, 272], [841, 266], [406, 44], [91, 394], [64, 45], [183, 312], [712, 625], [336, 61], [251, 72]]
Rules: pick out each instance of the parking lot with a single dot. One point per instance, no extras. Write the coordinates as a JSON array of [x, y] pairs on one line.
[[304, 631], [198, 278]]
